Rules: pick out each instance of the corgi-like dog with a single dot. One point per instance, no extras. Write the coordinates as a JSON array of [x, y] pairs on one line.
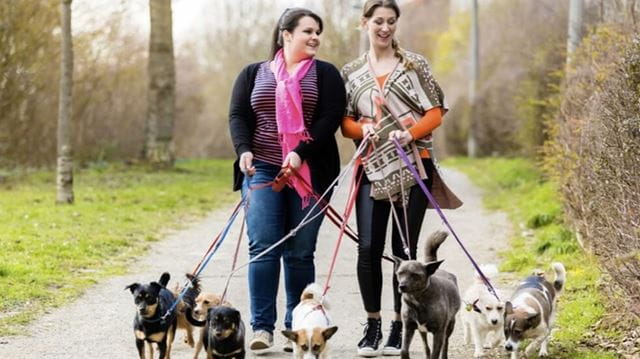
[[531, 312], [483, 317], [311, 325]]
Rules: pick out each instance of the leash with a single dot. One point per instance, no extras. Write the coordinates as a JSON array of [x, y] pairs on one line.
[[235, 260], [308, 218], [353, 193], [415, 174], [404, 238], [213, 248]]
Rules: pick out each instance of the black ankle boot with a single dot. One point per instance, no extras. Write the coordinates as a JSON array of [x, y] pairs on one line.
[[394, 340], [369, 344]]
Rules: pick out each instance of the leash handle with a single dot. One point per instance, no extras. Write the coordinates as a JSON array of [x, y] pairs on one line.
[[282, 178], [442, 216]]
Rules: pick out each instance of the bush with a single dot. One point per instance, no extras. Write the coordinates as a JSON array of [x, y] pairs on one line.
[[596, 151]]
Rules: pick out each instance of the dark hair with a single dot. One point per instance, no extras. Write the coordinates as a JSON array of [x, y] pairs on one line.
[[367, 12], [288, 21]]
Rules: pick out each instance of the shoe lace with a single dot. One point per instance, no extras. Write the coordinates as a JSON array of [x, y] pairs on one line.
[[371, 333]]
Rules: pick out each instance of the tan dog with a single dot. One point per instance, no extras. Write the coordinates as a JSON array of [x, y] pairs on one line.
[[204, 302], [311, 327], [181, 320]]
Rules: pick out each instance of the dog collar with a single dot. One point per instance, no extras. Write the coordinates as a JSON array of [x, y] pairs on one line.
[[216, 353]]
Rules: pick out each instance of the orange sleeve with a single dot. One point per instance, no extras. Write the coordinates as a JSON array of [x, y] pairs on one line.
[[351, 128], [429, 122]]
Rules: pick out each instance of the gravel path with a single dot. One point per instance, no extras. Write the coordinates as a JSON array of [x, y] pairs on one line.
[[98, 324]]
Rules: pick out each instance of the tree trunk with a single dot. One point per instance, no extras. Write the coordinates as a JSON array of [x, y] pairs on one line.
[[64, 176], [575, 27], [472, 142], [161, 107]]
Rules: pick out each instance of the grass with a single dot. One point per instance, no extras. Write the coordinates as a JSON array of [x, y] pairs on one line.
[[50, 253], [533, 205]]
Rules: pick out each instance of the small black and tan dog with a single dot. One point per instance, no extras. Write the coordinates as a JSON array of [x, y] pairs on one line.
[[223, 333], [152, 302]]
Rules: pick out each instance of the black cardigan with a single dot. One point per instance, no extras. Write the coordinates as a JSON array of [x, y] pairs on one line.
[[321, 153]]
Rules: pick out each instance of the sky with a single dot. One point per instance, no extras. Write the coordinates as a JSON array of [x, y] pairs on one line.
[[189, 16]]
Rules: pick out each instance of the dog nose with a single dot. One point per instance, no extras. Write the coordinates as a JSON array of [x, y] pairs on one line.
[[508, 347], [494, 321]]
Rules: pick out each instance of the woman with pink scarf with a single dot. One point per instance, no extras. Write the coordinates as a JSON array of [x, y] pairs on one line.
[[284, 113]]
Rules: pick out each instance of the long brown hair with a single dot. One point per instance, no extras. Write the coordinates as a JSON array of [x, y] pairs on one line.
[[288, 21], [367, 12]]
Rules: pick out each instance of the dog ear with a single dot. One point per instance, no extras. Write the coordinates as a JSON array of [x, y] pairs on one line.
[[432, 267], [291, 335], [508, 308], [533, 317], [396, 261], [236, 315], [329, 332], [132, 287]]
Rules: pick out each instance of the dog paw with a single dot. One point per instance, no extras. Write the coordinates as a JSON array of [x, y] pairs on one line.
[[478, 354]]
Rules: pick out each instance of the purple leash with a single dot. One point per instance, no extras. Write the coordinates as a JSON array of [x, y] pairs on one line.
[[415, 174]]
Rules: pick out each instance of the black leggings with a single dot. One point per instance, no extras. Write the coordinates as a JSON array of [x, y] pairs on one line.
[[372, 217]]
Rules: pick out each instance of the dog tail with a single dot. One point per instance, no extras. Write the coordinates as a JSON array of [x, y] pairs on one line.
[[192, 293], [489, 270], [314, 291], [433, 243], [193, 321], [164, 279], [561, 276]]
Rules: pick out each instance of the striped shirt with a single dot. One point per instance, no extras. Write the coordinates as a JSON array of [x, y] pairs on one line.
[[265, 144]]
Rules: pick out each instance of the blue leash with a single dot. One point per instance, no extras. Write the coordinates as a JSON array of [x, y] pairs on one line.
[[209, 256]]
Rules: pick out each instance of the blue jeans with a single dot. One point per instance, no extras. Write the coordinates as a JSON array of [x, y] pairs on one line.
[[270, 216]]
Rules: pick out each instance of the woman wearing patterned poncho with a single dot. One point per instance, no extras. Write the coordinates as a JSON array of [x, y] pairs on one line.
[[391, 93]]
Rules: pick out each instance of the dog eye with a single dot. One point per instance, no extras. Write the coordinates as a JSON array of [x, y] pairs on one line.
[[304, 347], [206, 302], [316, 348], [488, 308], [499, 308]]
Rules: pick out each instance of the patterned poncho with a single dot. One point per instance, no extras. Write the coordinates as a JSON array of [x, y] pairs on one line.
[[408, 93]]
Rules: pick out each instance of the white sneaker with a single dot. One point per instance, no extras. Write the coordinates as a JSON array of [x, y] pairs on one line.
[[261, 340]]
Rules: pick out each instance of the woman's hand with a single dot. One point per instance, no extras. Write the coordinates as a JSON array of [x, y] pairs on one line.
[[403, 136], [368, 131], [292, 160], [246, 163]]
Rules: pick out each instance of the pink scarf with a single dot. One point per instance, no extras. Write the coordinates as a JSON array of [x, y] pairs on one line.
[[290, 119]]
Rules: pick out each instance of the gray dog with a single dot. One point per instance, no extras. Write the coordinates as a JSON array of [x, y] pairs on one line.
[[430, 299]]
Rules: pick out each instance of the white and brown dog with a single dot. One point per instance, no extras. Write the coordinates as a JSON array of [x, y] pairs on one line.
[[483, 318], [311, 325], [531, 312]]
